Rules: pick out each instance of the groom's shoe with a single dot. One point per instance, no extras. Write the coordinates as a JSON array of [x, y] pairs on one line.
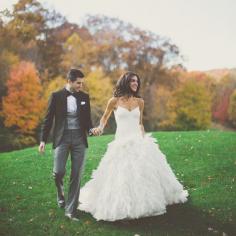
[[71, 217], [61, 204]]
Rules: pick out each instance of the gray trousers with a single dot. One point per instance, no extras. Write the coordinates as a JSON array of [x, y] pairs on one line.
[[72, 143]]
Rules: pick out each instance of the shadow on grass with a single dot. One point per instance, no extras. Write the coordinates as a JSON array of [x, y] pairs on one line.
[[180, 219]]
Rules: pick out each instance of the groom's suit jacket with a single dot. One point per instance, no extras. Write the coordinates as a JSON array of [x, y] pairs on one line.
[[57, 111]]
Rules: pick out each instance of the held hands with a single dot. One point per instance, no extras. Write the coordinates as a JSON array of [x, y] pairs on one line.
[[98, 130]]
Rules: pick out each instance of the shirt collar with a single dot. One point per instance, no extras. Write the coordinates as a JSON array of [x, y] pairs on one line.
[[67, 87]]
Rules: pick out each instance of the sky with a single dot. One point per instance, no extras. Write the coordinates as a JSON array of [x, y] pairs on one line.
[[204, 30]]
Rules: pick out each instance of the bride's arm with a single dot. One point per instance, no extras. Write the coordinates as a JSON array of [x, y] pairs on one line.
[[141, 106], [109, 108]]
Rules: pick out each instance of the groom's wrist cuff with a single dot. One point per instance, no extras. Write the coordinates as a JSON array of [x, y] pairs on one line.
[[90, 132]]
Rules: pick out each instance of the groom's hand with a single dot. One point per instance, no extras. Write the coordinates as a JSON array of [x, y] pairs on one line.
[[41, 147], [96, 131]]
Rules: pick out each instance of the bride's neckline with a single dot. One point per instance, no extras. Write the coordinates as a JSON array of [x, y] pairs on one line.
[[127, 108]]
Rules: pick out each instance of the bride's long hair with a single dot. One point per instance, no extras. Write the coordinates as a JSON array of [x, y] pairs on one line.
[[122, 87]]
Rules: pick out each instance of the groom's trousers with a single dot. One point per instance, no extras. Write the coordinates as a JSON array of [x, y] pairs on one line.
[[72, 143]]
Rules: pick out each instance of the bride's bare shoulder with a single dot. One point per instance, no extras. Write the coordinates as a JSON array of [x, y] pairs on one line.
[[112, 102], [140, 102]]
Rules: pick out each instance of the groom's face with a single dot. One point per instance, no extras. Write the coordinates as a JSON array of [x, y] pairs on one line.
[[76, 85]]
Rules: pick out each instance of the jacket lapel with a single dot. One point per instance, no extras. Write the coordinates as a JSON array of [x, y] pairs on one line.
[[64, 102], [78, 104]]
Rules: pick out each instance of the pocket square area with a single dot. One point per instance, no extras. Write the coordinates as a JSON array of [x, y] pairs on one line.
[[82, 103]]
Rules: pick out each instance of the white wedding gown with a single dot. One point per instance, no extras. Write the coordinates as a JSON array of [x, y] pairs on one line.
[[133, 179]]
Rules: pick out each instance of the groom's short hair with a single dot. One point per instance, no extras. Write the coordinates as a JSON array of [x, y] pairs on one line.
[[73, 74]]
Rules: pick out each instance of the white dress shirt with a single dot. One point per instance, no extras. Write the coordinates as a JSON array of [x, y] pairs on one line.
[[71, 102], [72, 105]]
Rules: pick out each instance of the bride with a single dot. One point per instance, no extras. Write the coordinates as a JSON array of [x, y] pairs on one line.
[[133, 179]]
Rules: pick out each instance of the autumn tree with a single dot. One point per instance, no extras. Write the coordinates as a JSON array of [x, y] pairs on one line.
[[7, 60], [193, 106], [221, 98], [232, 108], [77, 53], [163, 115], [120, 45], [52, 86], [99, 87], [22, 107], [31, 27]]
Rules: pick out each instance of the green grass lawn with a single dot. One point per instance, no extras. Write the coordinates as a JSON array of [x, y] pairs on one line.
[[204, 161]]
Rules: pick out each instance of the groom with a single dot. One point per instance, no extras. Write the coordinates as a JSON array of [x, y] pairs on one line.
[[69, 109]]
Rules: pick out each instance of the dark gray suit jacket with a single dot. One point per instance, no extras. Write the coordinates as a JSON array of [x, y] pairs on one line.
[[56, 112]]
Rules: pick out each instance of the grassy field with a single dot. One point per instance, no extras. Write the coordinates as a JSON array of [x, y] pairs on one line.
[[204, 161]]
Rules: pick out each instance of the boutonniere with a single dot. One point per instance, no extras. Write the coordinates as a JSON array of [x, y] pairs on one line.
[[82, 102]]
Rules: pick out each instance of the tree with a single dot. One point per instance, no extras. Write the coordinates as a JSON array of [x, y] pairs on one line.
[[53, 85], [232, 108], [76, 53], [193, 106], [99, 88], [22, 107], [7, 59], [121, 46], [164, 115], [221, 98], [30, 28]]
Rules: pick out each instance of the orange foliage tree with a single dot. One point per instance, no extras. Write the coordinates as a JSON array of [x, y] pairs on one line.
[[22, 107]]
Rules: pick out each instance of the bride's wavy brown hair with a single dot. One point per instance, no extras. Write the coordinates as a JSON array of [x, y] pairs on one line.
[[122, 87]]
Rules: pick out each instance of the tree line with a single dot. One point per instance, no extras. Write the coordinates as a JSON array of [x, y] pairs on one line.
[[38, 46]]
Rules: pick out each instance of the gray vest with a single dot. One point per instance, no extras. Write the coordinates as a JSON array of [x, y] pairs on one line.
[[72, 120]]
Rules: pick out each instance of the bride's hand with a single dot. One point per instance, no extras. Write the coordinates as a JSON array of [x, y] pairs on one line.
[[100, 128], [97, 131]]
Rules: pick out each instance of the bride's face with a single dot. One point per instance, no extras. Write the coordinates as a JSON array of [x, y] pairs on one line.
[[133, 83]]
